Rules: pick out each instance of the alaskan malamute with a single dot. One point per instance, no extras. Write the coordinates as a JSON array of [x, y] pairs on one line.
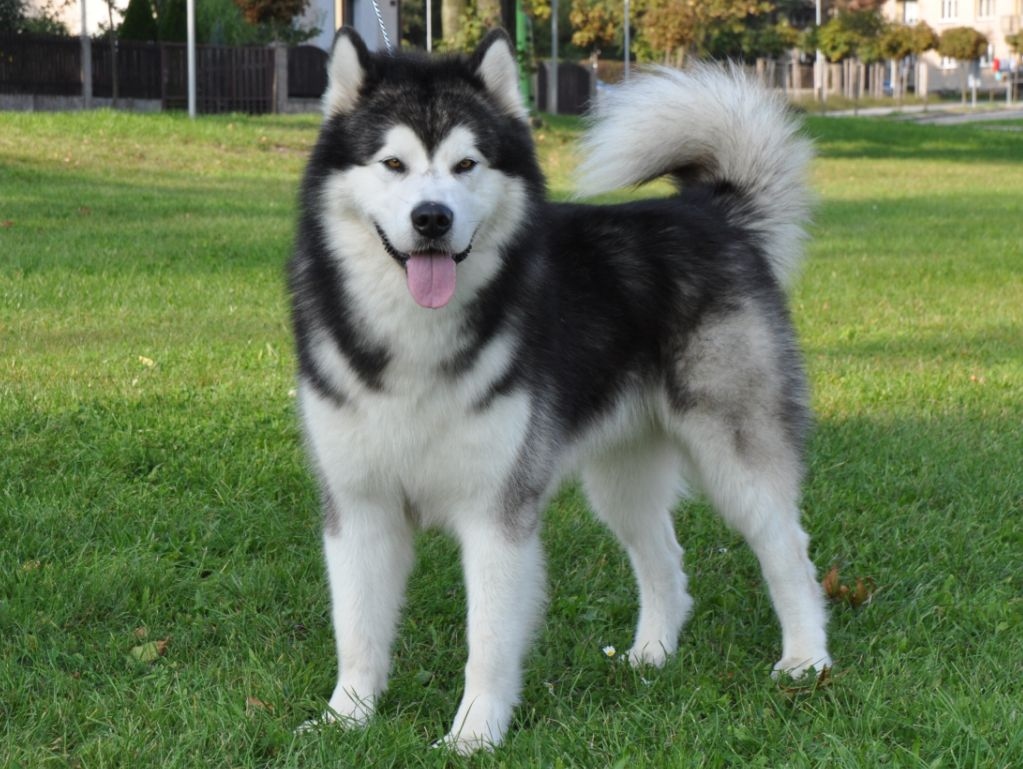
[[464, 344]]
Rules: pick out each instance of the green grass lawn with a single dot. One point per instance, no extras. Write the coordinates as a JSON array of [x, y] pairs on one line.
[[162, 599]]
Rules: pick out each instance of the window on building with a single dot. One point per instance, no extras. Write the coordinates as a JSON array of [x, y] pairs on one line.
[[948, 62], [949, 9], [911, 12], [985, 9]]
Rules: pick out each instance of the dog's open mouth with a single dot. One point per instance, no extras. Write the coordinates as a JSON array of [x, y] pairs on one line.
[[430, 272]]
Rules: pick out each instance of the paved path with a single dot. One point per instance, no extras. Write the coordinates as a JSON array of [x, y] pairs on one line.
[[956, 118], [937, 115]]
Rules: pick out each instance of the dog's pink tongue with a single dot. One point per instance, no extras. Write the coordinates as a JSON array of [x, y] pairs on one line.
[[431, 278]]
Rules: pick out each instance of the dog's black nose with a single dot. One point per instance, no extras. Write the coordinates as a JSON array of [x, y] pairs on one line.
[[432, 220]]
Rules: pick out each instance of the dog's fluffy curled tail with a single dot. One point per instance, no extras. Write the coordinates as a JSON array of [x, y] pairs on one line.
[[710, 124]]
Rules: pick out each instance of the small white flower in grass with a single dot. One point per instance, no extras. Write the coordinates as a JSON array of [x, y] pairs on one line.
[[147, 362], [609, 651]]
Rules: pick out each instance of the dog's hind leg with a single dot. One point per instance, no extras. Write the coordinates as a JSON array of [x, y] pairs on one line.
[[752, 477], [633, 490], [504, 577]]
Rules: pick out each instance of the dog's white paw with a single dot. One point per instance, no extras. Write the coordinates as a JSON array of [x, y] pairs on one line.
[[345, 709], [659, 626], [480, 724], [798, 665], [465, 746], [652, 653]]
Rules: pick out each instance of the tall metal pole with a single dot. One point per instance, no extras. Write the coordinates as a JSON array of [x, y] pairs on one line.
[[552, 86], [820, 78], [190, 21], [429, 25], [628, 39], [524, 51], [86, 62]]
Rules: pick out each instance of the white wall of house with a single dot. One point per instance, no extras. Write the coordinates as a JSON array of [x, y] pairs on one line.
[[329, 15], [325, 16], [994, 18]]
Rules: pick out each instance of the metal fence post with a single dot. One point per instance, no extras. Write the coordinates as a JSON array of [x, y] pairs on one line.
[[280, 78], [86, 63]]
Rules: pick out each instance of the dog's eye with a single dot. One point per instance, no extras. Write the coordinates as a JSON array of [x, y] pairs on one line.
[[393, 164], [465, 165]]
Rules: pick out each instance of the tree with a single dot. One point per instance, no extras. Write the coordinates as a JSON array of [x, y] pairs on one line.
[[922, 38], [220, 22], [451, 13], [839, 7], [758, 37], [675, 29], [851, 34], [898, 42], [172, 21], [769, 41], [470, 28], [595, 23], [965, 45], [139, 22], [12, 15], [962, 44], [276, 15], [15, 17], [670, 30]]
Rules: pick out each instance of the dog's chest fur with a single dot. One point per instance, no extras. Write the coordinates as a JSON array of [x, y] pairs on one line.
[[421, 437]]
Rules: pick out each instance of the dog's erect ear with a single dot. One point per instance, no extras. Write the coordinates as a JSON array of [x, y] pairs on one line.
[[494, 62], [346, 72]]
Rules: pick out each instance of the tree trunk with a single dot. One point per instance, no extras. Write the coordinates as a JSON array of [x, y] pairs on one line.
[[450, 18], [489, 12]]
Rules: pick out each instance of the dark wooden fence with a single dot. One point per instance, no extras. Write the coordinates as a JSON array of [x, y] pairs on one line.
[[138, 70], [576, 84], [228, 79], [40, 64], [307, 72]]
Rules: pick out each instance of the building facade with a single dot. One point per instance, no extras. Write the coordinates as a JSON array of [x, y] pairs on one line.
[[996, 19]]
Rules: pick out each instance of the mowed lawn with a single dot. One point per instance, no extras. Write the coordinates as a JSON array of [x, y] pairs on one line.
[[162, 598]]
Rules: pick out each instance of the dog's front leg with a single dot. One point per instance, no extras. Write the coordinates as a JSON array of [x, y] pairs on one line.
[[504, 576], [369, 552]]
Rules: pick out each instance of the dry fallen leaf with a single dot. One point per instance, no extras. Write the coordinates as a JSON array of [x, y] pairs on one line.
[[150, 651], [862, 593], [809, 684], [254, 704], [831, 584], [855, 596]]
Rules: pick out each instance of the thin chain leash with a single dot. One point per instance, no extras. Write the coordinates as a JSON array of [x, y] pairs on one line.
[[383, 28]]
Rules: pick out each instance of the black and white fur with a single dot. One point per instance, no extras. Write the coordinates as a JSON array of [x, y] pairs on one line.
[[644, 346]]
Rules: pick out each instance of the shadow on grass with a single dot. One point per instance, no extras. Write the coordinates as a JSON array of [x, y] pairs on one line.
[[880, 139]]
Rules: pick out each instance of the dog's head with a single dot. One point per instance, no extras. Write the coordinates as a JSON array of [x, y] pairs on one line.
[[425, 165]]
